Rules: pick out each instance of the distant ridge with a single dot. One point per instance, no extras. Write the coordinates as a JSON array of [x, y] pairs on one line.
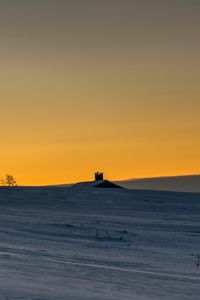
[[184, 183]]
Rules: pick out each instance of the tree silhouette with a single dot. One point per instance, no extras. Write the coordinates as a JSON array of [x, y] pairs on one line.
[[9, 181]]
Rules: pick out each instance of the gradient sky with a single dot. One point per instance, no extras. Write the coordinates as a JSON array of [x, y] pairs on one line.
[[92, 85]]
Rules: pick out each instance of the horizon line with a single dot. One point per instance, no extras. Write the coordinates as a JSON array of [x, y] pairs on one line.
[[119, 180]]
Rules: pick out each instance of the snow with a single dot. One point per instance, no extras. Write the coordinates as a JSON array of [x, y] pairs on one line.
[[98, 244]]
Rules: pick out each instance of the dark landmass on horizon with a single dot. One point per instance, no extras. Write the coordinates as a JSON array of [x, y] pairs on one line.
[[184, 183]]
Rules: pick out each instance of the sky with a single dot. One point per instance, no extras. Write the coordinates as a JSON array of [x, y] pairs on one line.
[[89, 85]]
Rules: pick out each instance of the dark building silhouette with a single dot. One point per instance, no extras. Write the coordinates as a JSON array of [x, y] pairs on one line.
[[98, 176]]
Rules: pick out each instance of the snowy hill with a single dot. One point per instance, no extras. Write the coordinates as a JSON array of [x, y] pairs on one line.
[[189, 183], [98, 244], [96, 184]]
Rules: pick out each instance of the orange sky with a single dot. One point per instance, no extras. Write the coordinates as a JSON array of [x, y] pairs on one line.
[[99, 85]]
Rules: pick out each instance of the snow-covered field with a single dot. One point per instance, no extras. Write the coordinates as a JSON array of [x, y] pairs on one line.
[[65, 243]]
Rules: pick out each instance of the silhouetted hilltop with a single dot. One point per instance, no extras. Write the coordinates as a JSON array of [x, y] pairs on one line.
[[188, 183], [97, 184]]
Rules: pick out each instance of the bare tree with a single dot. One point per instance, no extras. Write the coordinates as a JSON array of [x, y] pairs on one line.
[[9, 181]]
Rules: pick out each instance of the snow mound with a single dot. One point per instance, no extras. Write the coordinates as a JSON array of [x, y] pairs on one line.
[[97, 184]]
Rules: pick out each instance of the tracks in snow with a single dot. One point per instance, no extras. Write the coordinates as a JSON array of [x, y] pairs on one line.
[[134, 271]]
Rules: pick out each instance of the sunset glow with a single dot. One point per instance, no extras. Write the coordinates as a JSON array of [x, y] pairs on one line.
[[99, 85]]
